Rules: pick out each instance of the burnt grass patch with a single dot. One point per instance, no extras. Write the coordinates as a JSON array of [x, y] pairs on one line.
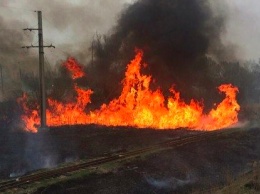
[[191, 168], [23, 152]]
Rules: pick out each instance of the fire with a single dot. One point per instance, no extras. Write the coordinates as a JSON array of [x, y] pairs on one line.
[[70, 113], [30, 117], [75, 69], [223, 115], [137, 106]]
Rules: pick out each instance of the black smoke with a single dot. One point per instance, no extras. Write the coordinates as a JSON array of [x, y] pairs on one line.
[[177, 37]]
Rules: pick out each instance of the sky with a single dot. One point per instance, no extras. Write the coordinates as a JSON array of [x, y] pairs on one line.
[[243, 26], [77, 21], [71, 25], [66, 24]]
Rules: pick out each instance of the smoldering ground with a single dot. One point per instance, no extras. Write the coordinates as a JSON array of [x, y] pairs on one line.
[[171, 183], [25, 152]]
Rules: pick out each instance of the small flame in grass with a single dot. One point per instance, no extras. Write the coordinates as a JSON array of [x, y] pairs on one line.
[[226, 112], [137, 106], [75, 69], [31, 116]]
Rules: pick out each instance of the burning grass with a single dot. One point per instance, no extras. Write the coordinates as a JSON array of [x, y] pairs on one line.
[[137, 106]]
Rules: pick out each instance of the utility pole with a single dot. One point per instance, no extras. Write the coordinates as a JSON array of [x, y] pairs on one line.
[[2, 79], [92, 53], [20, 74], [41, 70], [92, 49]]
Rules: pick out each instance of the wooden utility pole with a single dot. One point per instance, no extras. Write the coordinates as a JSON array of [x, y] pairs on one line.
[[92, 53], [41, 70], [2, 80]]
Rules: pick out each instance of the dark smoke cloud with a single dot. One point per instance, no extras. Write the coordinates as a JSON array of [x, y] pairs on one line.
[[175, 35]]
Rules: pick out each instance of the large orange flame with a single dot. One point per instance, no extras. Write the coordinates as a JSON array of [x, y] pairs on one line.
[[137, 106]]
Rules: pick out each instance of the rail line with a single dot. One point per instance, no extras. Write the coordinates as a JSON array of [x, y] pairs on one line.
[[26, 179]]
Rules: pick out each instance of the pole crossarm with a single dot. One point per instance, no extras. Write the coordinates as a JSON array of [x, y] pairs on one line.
[[30, 29], [33, 46], [2, 80]]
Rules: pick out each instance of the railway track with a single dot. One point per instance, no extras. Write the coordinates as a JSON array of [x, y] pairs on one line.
[[27, 179]]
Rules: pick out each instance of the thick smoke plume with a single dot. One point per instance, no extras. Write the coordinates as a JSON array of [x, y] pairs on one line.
[[176, 37]]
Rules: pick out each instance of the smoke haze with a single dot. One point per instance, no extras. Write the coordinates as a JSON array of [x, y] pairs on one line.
[[13, 60], [69, 26]]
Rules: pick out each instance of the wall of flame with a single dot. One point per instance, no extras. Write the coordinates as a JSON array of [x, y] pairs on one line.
[[137, 106]]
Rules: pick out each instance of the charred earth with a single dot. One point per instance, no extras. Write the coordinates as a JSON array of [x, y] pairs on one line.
[[195, 167]]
